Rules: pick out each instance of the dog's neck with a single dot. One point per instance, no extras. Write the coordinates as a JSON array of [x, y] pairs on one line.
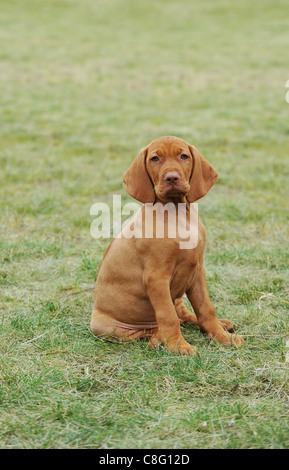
[[175, 200]]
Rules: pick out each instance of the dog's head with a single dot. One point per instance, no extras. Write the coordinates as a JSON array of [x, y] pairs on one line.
[[169, 169]]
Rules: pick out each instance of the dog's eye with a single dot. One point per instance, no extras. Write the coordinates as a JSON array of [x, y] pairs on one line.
[[155, 159], [184, 156]]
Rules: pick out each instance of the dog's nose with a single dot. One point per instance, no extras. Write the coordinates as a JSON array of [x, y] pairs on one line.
[[172, 177]]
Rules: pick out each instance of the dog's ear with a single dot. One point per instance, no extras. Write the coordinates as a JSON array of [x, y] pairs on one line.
[[203, 176], [137, 181]]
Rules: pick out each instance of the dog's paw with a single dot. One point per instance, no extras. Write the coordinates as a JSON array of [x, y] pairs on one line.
[[154, 342], [237, 340], [184, 348], [179, 346], [226, 338], [228, 325]]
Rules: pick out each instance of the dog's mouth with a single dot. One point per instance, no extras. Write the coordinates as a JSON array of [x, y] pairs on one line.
[[172, 190]]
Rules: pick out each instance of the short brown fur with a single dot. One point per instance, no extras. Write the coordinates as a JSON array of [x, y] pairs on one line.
[[141, 282]]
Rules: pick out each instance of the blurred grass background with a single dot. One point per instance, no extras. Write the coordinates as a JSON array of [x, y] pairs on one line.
[[84, 85]]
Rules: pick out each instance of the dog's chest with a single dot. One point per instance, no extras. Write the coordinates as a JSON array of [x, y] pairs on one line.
[[184, 274]]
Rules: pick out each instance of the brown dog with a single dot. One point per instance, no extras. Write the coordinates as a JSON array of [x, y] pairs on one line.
[[141, 281]]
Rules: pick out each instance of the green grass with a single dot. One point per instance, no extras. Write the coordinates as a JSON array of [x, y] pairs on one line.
[[84, 85]]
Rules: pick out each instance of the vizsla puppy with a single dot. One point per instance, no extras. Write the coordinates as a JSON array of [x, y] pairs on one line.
[[141, 281]]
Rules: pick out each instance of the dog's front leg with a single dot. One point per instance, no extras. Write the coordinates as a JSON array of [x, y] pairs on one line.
[[199, 297], [169, 332]]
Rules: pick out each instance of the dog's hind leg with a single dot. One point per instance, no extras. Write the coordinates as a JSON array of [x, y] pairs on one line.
[[103, 325], [185, 315]]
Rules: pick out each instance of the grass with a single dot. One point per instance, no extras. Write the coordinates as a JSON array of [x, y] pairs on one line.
[[84, 85]]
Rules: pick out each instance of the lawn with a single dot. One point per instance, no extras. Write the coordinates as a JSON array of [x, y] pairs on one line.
[[84, 85]]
